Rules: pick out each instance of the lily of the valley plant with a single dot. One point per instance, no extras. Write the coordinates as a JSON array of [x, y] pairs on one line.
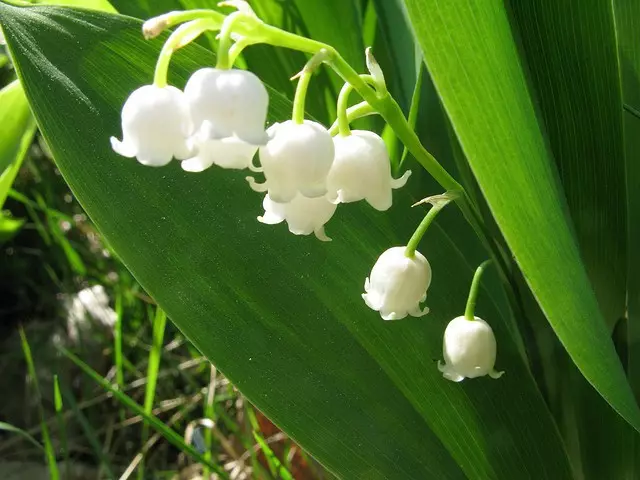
[[219, 120]]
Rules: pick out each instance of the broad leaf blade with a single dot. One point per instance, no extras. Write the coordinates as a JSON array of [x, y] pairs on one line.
[[280, 315], [573, 67], [465, 44]]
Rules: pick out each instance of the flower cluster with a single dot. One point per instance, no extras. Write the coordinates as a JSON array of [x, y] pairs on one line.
[[219, 119]]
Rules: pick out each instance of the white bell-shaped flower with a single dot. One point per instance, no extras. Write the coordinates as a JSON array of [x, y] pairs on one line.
[[361, 170], [155, 126], [229, 110], [303, 215], [469, 350], [398, 284], [297, 158]]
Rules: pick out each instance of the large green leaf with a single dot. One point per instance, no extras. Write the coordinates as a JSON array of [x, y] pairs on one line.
[[473, 60], [572, 62], [280, 315], [573, 67]]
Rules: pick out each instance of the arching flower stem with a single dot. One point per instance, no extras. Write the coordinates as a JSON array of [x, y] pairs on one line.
[[304, 77], [156, 25], [183, 35], [300, 98], [343, 105], [225, 44], [469, 311], [412, 245], [355, 112]]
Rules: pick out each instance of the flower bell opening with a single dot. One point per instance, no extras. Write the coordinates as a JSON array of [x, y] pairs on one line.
[[361, 170], [469, 350], [229, 110], [303, 215], [398, 284], [296, 159], [156, 125]]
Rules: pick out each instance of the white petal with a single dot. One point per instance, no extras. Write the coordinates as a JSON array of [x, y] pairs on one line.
[[399, 283], [255, 186], [153, 158], [196, 164], [228, 103], [297, 158], [321, 235], [400, 182], [448, 373], [418, 312], [270, 218], [125, 149]]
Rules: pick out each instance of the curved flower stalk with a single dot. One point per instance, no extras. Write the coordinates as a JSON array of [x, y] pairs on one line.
[[229, 111], [362, 168], [156, 121], [303, 215], [469, 350], [401, 276], [469, 345], [362, 171], [299, 154], [155, 126], [296, 160], [398, 284]]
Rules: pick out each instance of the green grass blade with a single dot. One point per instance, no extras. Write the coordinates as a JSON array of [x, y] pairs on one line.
[[62, 429], [170, 435], [117, 341], [50, 453], [89, 433], [278, 470], [10, 428], [153, 366], [209, 413], [465, 45]]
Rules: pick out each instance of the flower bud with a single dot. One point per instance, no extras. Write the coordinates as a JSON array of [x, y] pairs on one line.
[[469, 350], [297, 158], [398, 284], [303, 215], [361, 170], [229, 110], [155, 126]]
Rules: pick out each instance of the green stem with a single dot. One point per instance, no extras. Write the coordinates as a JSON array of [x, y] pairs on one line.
[[473, 292], [300, 97], [410, 251], [225, 44], [343, 105], [182, 36], [359, 110], [156, 25]]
